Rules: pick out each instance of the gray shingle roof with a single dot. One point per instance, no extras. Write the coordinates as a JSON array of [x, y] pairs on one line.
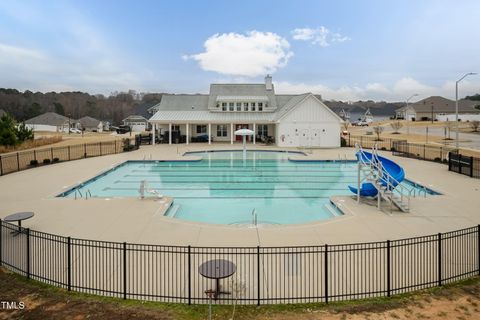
[[89, 122], [49, 118], [441, 105]]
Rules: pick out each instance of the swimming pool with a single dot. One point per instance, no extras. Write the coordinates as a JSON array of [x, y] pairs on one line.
[[228, 188]]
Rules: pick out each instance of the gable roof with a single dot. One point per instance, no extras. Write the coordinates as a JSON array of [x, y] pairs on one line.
[[89, 122], [134, 117], [440, 105], [179, 110], [49, 118]]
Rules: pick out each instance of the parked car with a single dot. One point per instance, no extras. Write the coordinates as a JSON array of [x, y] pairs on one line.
[[361, 123], [123, 129]]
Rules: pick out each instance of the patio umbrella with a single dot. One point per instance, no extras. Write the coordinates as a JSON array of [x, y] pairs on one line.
[[244, 133]]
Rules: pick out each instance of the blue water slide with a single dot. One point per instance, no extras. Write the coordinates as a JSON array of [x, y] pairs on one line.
[[367, 189]]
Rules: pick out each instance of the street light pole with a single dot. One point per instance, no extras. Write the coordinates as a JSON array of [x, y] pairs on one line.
[[456, 106], [406, 110]]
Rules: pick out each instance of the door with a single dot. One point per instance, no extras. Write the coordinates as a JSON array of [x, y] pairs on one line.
[[238, 127]]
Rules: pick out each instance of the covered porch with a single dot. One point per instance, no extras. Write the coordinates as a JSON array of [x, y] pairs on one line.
[[176, 132]]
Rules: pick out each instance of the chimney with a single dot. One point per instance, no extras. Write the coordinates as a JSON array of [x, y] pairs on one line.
[[268, 82]]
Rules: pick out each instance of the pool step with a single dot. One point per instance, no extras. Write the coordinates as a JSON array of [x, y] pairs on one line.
[[172, 211], [332, 209]]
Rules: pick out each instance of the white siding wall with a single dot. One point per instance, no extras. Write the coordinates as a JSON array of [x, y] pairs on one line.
[[461, 117], [44, 127], [310, 124]]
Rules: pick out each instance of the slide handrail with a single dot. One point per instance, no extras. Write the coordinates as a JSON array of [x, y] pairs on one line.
[[384, 176]]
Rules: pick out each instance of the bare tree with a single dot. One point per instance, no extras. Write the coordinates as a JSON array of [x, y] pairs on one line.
[[396, 125], [378, 131], [346, 125], [475, 124]]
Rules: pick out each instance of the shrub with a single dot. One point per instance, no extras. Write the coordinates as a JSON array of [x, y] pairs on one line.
[[46, 161], [378, 131], [383, 148], [33, 163], [437, 159], [55, 160], [343, 142], [396, 126]]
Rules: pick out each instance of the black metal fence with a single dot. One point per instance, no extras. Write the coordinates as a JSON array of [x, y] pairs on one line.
[[403, 148], [466, 165], [264, 275], [13, 162]]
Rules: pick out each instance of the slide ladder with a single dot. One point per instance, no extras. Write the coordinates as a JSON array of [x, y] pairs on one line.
[[383, 179]]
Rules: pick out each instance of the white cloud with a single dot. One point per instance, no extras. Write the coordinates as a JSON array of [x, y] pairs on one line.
[[321, 36], [399, 91], [252, 54]]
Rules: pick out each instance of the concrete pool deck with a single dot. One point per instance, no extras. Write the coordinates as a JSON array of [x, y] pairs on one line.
[[142, 221]]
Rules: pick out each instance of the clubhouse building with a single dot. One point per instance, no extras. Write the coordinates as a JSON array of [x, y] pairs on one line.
[[293, 120]]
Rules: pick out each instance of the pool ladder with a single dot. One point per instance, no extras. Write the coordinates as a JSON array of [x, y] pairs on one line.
[[78, 194], [254, 217]]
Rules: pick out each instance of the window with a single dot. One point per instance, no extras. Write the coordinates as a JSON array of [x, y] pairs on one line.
[[221, 130], [175, 127], [260, 106], [239, 106], [224, 106], [253, 106], [230, 106], [262, 130], [245, 106], [202, 128]]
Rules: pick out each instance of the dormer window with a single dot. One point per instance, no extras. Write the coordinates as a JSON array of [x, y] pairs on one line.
[[224, 106], [230, 106], [260, 106], [239, 106], [253, 106]]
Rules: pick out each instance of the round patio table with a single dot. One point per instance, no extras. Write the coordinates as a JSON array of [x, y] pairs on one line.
[[217, 269], [19, 217]]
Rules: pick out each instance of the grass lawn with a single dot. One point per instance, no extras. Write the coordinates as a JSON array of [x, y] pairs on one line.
[[459, 301]]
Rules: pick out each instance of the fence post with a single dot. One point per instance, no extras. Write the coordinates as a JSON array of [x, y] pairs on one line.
[[85, 150], [18, 161], [189, 275], [471, 167], [1, 166], [424, 156], [124, 270], [1, 255], [34, 154], [101, 148], [258, 275], [28, 252], [349, 142], [69, 153], [449, 162], [326, 272], [69, 264], [388, 269], [51, 154], [478, 247], [439, 259]]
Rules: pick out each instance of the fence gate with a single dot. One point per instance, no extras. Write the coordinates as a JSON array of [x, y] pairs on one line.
[[460, 164]]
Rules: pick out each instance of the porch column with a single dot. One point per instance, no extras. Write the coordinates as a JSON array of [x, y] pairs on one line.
[[187, 129], [153, 133], [169, 133], [231, 133], [209, 133], [254, 134]]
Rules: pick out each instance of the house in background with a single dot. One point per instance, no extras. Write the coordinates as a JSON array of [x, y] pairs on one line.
[[136, 123], [90, 124], [429, 108], [50, 121], [291, 120]]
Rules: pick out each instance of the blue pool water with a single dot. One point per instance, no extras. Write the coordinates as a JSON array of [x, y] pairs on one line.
[[225, 187]]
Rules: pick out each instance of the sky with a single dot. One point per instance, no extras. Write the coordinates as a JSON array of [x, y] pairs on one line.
[[343, 50]]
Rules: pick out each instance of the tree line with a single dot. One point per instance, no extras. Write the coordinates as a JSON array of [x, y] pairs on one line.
[[114, 108]]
